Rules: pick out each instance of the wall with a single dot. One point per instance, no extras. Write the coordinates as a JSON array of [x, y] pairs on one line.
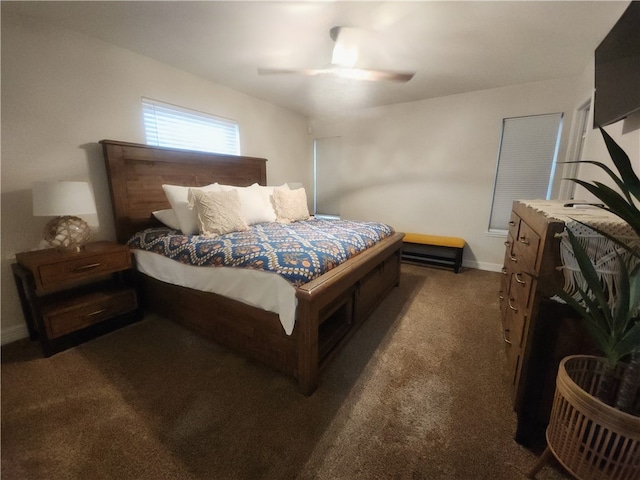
[[429, 166], [62, 92]]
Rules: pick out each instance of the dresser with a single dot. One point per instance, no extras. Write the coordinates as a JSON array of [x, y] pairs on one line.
[[537, 331]]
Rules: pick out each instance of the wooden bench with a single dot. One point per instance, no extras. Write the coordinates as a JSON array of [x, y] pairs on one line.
[[433, 250]]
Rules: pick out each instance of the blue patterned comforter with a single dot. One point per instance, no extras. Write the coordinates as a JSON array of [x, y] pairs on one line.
[[299, 251]]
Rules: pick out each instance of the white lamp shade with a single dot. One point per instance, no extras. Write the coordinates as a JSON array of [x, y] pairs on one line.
[[62, 198]]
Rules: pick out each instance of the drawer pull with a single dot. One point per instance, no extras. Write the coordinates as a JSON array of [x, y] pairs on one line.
[[512, 223], [513, 259], [97, 312], [501, 297], [515, 309], [524, 241], [504, 337], [504, 270], [507, 243], [86, 267], [519, 280]]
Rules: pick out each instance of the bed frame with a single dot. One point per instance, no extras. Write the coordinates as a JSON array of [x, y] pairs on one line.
[[330, 308]]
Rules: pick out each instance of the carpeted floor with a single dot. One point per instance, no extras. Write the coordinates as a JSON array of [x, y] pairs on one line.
[[420, 392]]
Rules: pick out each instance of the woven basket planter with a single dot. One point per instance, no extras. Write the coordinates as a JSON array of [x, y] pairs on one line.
[[592, 440]]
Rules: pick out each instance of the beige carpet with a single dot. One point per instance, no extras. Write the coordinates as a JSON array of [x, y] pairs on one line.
[[420, 392]]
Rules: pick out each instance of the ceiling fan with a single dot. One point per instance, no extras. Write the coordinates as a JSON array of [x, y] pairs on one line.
[[343, 60]]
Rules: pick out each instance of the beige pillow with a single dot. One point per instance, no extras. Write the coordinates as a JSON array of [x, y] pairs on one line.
[[290, 205], [217, 212]]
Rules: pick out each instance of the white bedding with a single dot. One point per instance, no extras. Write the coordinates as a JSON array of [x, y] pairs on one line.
[[265, 290]]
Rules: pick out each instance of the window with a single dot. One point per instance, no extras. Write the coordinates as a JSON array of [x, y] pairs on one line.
[[326, 162], [526, 163], [170, 126]]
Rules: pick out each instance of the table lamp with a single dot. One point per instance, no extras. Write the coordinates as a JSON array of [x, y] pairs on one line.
[[64, 200]]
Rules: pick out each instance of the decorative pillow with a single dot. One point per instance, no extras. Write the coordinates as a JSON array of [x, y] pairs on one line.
[[178, 197], [217, 212], [290, 205], [167, 217]]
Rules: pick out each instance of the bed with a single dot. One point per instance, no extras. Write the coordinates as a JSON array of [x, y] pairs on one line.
[[329, 308]]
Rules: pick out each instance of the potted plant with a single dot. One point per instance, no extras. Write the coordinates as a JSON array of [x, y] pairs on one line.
[[594, 430]]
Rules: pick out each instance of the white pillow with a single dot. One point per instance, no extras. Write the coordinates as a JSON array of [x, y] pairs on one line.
[[256, 203], [217, 212], [290, 205], [267, 193], [178, 197], [167, 217]]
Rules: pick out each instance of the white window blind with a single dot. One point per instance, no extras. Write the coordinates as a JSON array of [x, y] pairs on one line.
[[526, 163], [170, 126]]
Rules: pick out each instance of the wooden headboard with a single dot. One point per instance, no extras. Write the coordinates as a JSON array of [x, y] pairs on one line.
[[137, 172]]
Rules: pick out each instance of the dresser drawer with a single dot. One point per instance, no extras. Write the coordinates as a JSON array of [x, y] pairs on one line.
[[514, 225], [516, 328], [508, 247], [60, 273], [511, 262], [522, 289], [526, 245], [74, 314], [503, 294], [512, 349]]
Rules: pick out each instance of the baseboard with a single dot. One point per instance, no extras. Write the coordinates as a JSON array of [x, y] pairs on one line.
[[489, 267], [11, 334]]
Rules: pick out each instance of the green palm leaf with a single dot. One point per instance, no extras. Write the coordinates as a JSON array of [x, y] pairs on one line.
[[621, 309], [610, 172]]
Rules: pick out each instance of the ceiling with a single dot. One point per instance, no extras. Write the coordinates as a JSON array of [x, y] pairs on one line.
[[453, 46]]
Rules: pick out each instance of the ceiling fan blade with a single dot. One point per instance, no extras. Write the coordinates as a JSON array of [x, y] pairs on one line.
[[376, 75], [288, 71], [344, 58], [344, 72]]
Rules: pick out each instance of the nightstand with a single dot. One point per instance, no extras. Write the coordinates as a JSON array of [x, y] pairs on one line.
[[71, 297]]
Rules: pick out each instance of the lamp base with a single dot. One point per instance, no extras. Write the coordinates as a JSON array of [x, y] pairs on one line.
[[67, 233]]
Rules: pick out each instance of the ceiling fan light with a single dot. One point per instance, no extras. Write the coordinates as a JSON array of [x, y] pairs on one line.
[[344, 55], [345, 50]]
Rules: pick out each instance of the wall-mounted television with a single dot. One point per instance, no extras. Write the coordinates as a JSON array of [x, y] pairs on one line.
[[617, 70]]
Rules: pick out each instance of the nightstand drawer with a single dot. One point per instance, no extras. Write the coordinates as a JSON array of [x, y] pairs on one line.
[[80, 312], [54, 274]]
